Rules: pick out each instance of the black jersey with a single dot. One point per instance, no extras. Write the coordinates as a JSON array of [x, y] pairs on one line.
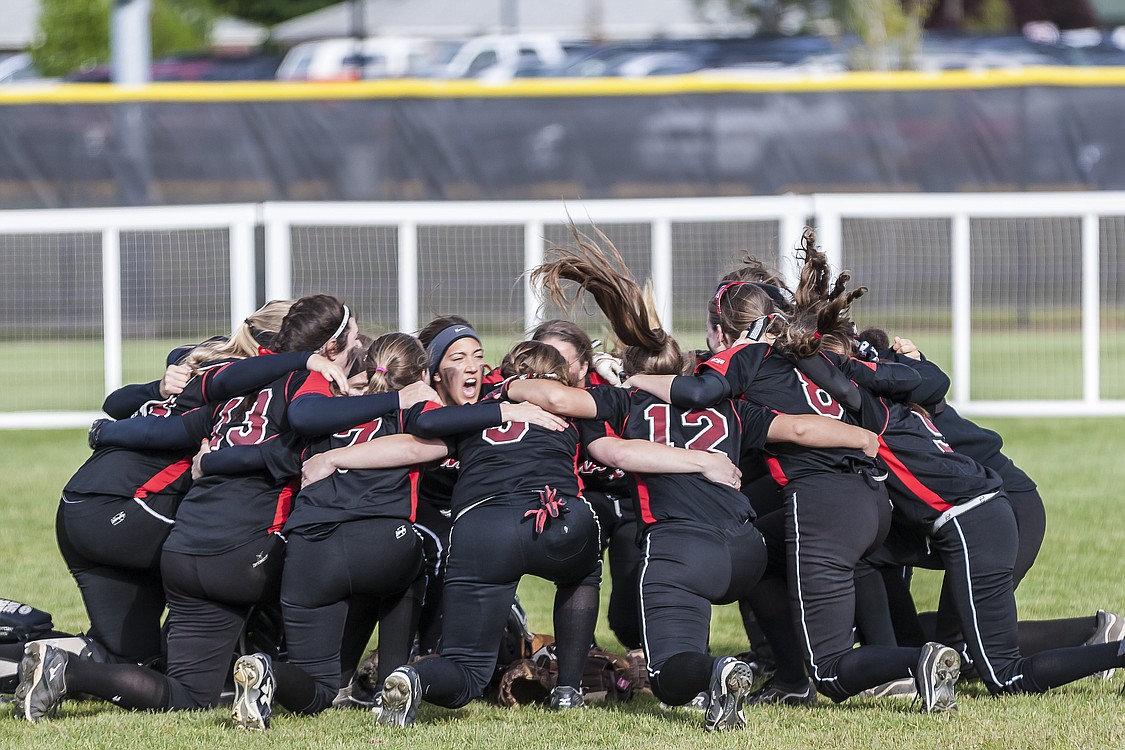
[[734, 428], [927, 477], [779, 387], [512, 462], [126, 472], [350, 494], [739, 365], [221, 513]]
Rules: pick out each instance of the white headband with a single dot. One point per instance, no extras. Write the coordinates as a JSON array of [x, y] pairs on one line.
[[343, 325]]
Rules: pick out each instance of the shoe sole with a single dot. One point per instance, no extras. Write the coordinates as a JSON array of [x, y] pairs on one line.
[[396, 700], [1113, 631], [808, 698], [244, 713], [738, 679], [31, 671], [942, 669]]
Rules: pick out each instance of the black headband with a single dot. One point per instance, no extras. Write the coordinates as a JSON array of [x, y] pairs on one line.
[[445, 338]]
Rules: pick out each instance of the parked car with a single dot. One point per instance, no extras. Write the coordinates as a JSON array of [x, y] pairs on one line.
[[499, 57], [342, 59]]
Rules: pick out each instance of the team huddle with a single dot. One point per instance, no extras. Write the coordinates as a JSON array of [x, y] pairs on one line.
[[283, 491]]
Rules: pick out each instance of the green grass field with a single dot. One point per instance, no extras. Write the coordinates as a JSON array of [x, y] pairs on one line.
[[1076, 462]]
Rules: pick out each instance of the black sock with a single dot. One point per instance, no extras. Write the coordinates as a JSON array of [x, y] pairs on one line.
[[576, 613], [1036, 636], [295, 690], [125, 685], [1050, 669]]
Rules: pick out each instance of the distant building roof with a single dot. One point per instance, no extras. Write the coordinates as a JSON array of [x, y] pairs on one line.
[[609, 19]]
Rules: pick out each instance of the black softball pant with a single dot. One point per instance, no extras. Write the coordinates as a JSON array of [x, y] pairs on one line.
[[618, 522], [831, 521], [209, 600], [372, 563], [491, 547], [111, 545], [687, 567], [434, 526], [979, 550]]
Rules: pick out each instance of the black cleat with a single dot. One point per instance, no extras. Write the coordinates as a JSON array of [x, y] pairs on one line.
[[402, 692], [773, 694], [42, 681], [731, 680], [938, 668], [564, 698]]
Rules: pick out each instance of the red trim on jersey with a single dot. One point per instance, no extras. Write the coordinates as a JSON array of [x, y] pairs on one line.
[[314, 383], [593, 378], [163, 478], [414, 475], [284, 505], [643, 500], [720, 362], [921, 491], [493, 377], [776, 471], [869, 365]]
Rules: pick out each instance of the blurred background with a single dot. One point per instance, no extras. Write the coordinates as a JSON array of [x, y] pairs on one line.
[[168, 165]]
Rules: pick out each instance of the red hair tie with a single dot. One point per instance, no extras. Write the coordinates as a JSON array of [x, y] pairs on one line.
[[816, 335]]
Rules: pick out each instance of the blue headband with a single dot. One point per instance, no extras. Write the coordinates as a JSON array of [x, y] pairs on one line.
[[445, 338]]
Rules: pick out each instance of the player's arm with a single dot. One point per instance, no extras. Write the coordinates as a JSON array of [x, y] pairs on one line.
[[646, 457], [153, 433], [315, 411], [686, 391], [255, 373], [445, 421], [553, 396], [125, 401], [814, 431], [385, 452]]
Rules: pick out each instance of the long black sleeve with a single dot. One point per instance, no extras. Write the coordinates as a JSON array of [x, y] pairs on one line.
[[158, 433], [313, 414], [235, 459], [827, 375], [699, 391], [890, 379], [454, 420], [125, 401], [250, 375], [935, 383]]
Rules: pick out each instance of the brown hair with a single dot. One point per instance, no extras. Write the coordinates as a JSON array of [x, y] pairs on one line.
[[823, 307], [394, 360], [571, 333], [258, 330], [535, 358], [310, 324], [631, 314]]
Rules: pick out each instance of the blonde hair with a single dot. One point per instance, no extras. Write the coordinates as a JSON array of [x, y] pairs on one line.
[[258, 330], [393, 361]]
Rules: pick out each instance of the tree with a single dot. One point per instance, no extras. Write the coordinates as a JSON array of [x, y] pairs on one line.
[[269, 12], [74, 36]]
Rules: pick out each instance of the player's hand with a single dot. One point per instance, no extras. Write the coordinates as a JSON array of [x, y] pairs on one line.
[[416, 393], [719, 469], [197, 460], [331, 371], [609, 367], [527, 412], [906, 348], [871, 448], [95, 432], [316, 468], [174, 380]]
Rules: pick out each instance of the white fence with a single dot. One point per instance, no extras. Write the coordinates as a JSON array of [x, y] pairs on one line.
[[1020, 297]]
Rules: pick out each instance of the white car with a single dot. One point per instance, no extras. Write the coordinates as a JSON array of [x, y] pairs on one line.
[[342, 59]]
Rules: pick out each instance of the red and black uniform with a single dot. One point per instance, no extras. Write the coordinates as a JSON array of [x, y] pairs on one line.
[[352, 553], [835, 512], [118, 508], [700, 547], [516, 511]]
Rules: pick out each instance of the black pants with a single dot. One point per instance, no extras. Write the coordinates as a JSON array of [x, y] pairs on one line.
[[491, 547], [111, 546], [831, 522], [688, 567], [434, 527], [209, 599], [618, 522], [370, 563]]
